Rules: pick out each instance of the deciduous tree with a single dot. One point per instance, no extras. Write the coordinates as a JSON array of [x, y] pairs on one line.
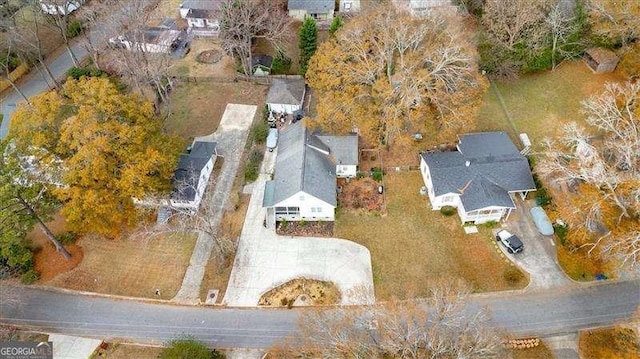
[[105, 146], [387, 73], [440, 327], [614, 23], [244, 21], [601, 164]]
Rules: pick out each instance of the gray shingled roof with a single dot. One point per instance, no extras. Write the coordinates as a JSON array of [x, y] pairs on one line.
[[302, 165], [288, 92], [187, 174], [201, 4], [312, 6], [495, 168], [344, 149]]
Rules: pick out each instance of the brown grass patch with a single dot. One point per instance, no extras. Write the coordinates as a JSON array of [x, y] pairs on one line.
[[196, 109], [189, 66], [413, 248], [617, 342], [316, 292], [126, 351], [360, 193], [580, 265], [131, 267]]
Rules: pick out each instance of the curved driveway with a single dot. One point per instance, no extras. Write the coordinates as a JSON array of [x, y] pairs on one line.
[[265, 260]]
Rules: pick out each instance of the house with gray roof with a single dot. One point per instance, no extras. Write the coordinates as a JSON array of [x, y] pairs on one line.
[[317, 9], [307, 166], [192, 174], [203, 16], [286, 95], [480, 179]]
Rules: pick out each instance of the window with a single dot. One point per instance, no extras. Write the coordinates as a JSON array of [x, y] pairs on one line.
[[287, 211], [301, 197], [316, 209], [447, 199]]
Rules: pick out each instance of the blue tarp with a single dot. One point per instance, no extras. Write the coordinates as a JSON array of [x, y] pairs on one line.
[[541, 221]]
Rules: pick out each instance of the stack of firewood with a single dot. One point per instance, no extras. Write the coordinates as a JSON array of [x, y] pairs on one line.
[[521, 343]]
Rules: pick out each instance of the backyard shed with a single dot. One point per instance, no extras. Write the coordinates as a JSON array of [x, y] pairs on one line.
[[601, 60]]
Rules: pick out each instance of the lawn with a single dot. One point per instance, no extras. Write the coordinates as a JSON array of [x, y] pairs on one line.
[[195, 109], [609, 343], [130, 266], [540, 103], [414, 248], [126, 351]]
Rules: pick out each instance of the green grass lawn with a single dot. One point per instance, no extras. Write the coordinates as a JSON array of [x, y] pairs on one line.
[[539, 104], [414, 248]]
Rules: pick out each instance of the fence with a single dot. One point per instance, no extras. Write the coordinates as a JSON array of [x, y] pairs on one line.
[[261, 80]]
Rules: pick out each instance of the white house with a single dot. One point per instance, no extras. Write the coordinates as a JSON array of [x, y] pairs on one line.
[[317, 9], [349, 6], [202, 16], [192, 175], [152, 39], [61, 7], [479, 179], [304, 182], [286, 95], [424, 7]]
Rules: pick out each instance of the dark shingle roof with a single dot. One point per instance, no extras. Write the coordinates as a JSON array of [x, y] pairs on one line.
[[312, 6], [187, 174], [344, 149], [262, 60], [288, 92], [303, 164], [486, 167], [201, 4]]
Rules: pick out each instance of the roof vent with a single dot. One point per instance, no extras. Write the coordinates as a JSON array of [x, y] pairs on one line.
[[467, 163]]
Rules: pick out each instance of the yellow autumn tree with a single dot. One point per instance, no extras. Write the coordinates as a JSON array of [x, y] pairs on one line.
[[101, 146], [387, 73], [616, 23], [600, 167]]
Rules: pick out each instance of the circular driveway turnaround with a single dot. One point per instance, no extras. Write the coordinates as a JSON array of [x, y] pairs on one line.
[[539, 255], [265, 260]]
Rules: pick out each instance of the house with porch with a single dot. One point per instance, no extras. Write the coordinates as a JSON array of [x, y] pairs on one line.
[[307, 166], [60, 7], [317, 9], [202, 16], [480, 179], [191, 177]]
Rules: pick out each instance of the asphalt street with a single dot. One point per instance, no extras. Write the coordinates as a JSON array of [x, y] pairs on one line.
[[540, 313]]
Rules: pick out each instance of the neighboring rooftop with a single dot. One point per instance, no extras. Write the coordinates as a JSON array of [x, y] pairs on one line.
[[187, 174], [344, 149], [201, 4], [262, 60], [486, 167], [286, 91], [312, 6]]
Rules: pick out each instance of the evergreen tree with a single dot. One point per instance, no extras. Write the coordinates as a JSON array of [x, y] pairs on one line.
[[335, 25], [308, 36]]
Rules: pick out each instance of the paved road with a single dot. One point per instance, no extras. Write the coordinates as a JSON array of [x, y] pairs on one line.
[[541, 313], [265, 260]]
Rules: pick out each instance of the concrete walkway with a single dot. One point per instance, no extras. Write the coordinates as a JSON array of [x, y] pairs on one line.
[[564, 346], [265, 260], [539, 256], [231, 137], [68, 347]]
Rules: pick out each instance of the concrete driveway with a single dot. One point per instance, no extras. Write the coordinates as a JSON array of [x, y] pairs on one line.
[[265, 260], [539, 256]]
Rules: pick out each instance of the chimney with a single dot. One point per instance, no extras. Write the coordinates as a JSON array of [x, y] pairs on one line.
[[467, 163]]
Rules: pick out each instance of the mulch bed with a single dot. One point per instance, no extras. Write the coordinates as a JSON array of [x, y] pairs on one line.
[[360, 193], [305, 229]]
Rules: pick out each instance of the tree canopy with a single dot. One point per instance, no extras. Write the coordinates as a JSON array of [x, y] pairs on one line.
[[600, 165], [387, 73], [102, 148]]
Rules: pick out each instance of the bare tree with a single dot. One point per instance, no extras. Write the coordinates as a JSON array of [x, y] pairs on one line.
[[603, 161], [561, 22], [442, 326], [242, 22], [8, 55], [61, 21]]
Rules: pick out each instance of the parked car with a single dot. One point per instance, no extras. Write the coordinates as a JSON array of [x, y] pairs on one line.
[[542, 222], [510, 241], [272, 139]]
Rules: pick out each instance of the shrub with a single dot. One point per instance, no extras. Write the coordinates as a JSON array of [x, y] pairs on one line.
[[259, 132], [542, 196], [281, 64], [188, 348], [30, 276], [490, 224], [284, 301], [66, 237], [77, 72], [11, 60], [448, 210], [376, 174], [252, 170], [74, 29], [512, 275], [561, 232]]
